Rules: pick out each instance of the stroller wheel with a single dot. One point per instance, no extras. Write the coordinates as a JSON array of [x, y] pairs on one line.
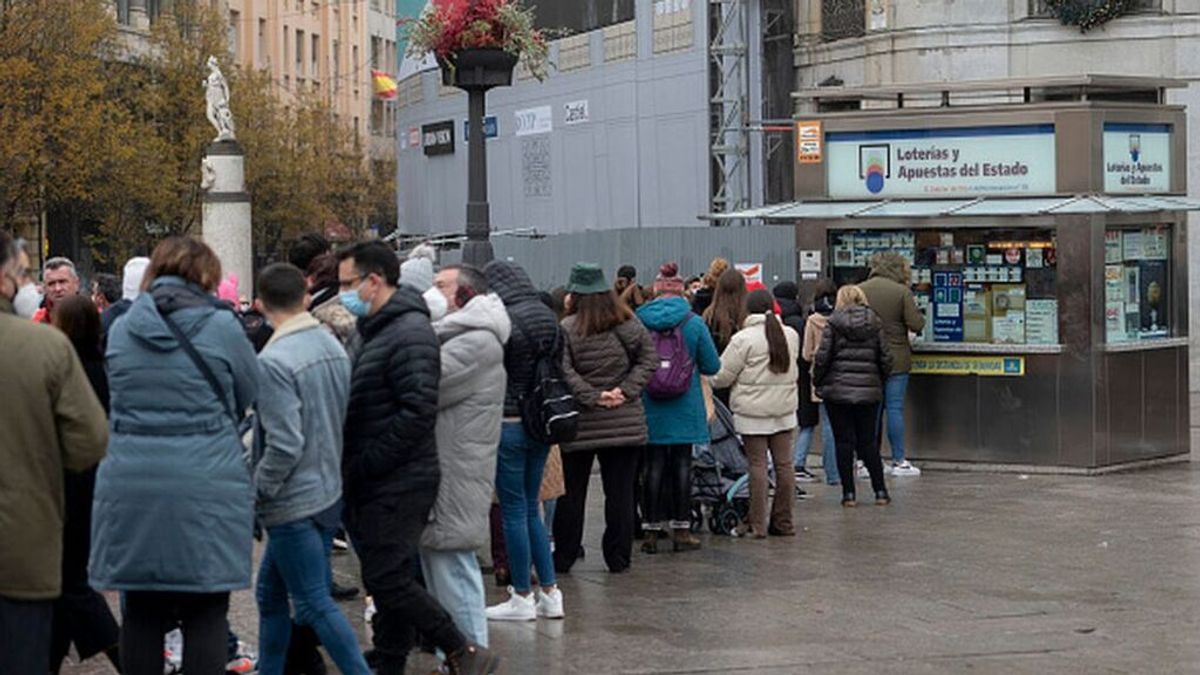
[[728, 519], [697, 520], [742, 506]]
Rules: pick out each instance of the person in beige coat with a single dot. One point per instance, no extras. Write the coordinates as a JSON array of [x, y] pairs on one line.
[[760, 364]]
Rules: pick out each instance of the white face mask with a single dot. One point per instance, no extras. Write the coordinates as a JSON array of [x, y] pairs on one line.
[[27, 301], [438, 307]]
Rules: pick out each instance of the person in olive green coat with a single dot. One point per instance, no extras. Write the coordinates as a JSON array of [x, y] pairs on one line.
[[51, 420], [890, 294]]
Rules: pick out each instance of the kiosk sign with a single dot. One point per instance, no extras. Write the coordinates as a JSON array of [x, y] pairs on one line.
[[1137, 158], [962, 161]]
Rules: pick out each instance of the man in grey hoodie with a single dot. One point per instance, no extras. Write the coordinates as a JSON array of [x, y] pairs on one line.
[[305, 376]]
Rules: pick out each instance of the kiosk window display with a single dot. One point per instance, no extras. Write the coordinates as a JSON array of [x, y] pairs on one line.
[[1137, 277], [974, 285]]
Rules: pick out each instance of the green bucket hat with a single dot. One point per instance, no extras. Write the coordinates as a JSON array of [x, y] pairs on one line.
[[587, 279]]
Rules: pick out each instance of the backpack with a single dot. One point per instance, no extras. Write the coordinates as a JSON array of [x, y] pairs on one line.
[[549, 411], [673, 378]]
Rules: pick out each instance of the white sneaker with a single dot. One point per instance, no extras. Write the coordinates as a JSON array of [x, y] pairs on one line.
[[905, 468], [550, 605], [516, 608], [860, 470]]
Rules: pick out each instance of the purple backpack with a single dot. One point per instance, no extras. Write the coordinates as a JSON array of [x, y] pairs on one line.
[[673, 378]]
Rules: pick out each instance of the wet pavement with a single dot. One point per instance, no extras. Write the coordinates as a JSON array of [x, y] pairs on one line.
[[981, 573]]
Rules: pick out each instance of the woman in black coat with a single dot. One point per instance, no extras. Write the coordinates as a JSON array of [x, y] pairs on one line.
[[849, 371], [81, 616]]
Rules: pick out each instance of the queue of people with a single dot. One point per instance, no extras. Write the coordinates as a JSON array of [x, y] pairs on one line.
[[396, 401]]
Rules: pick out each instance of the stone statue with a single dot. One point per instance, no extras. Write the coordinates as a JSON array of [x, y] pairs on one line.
[[208, 174], [216, 95]]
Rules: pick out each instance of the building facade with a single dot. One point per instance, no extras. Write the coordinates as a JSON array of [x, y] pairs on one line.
[[324, 46]]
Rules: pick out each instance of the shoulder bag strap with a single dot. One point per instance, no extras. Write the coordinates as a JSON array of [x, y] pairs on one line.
[[201, 365]]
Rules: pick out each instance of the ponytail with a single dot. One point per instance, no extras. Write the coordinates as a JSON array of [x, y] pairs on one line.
[[762, 302], [777, 345]]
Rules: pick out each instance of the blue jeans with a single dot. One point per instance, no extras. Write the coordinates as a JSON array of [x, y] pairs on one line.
[[893, 409], [296, 566], [519, 468], [828, 450], [804, 438], [454, 579]]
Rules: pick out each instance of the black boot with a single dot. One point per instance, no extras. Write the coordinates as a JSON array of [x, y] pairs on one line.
[[473, 660]]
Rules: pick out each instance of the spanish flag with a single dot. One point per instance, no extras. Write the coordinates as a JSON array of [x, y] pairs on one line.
[[385, 85]]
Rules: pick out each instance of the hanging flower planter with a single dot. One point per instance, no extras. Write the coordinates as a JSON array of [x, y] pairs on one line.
[[477, 43], [481, 68]]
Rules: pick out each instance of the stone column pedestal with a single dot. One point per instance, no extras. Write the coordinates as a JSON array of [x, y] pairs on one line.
[[225, 217]]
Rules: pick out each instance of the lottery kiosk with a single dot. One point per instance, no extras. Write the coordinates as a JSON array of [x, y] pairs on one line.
[[1044, 222]]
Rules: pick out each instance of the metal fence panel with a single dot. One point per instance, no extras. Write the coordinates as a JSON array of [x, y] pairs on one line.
[[549, 260]]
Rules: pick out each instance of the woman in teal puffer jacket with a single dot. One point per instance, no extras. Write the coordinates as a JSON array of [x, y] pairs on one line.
[[674, 424]]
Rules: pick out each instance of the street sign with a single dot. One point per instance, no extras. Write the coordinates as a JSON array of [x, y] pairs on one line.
[[491, 128]]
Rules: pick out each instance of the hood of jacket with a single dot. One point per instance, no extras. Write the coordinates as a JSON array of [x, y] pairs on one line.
[[169, 295], [789, 308], [483, 312], [510, 282], [856, 322], [890, 267], [404, 300], [664, 313]]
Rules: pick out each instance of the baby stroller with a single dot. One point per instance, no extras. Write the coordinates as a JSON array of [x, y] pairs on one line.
[[721, 477]]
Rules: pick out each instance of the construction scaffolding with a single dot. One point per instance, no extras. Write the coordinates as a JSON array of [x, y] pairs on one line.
[[729, 94]]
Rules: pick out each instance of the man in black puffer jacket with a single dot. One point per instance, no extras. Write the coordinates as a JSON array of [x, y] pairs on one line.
[[521, 457], [389, 463]]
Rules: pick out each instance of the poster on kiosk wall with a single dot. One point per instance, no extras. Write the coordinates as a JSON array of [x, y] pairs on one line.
[[949, 162]]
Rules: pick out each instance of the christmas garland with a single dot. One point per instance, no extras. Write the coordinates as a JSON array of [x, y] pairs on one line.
[[1087, 14]]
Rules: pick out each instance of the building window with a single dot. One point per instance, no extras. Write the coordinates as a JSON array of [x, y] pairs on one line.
[[841, 19], [1137, 283], [154, 9], [299, 52], [355, 66], [287, 51], [123, 12], [376, 117], [375, 49], [1040, 8], [336, 75], [974, 285], [232, 35], [263, 57], [314, 56]]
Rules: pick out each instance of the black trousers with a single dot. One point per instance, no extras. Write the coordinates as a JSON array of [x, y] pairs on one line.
[[618, 472], [386, 532], [25, 636], [667, 487], [202, 618], [854, 430], [81, 615]]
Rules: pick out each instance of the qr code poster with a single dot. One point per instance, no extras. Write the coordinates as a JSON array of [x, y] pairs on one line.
[[535, 166]]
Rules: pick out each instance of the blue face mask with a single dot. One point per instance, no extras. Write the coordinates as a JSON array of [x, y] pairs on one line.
[[354, 304]]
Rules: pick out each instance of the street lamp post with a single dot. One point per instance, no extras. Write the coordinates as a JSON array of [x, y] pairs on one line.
[[475, 71]]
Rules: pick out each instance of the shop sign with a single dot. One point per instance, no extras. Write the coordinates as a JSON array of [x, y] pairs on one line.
[[491, 128], [438, 138], [575, 112], [532, 121], [954, 162], [1137, 158], [985, 366], [809, 142]]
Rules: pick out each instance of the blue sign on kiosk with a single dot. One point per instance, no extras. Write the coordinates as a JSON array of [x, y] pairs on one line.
[[947, 307]]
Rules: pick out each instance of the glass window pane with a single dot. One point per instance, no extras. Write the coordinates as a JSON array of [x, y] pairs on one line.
[[1137, 278]]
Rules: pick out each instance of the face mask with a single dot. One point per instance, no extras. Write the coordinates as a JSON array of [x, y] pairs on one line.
[[438, 307], [27, 301], [354, 303]]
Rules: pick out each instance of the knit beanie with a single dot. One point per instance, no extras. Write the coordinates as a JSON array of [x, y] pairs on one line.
[[417, 271], [668, 281], [228, 290], [786, 290], [131, 280]]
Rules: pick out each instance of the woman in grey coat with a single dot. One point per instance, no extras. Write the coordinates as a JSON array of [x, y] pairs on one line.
[[174, 507]]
